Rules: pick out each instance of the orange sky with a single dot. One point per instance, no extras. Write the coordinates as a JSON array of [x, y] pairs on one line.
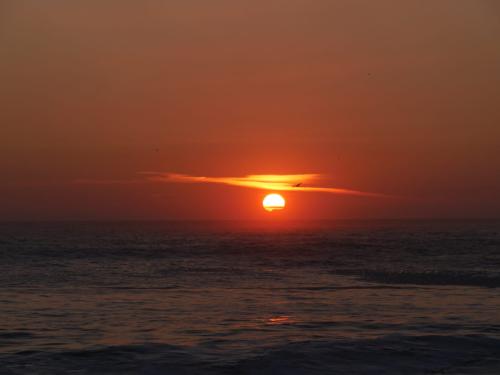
[[393, 97]]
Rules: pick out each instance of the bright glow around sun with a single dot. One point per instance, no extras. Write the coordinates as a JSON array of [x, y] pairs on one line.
[[273, 202]]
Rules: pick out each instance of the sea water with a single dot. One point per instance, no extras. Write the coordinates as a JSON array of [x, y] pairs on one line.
[[329, 297]]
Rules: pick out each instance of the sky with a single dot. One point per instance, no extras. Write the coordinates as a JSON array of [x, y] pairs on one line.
[[398, 99]]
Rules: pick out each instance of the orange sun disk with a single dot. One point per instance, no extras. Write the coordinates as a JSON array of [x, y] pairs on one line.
[[273, 202]]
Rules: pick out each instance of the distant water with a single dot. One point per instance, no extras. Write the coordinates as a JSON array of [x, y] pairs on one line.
[[250, 298]]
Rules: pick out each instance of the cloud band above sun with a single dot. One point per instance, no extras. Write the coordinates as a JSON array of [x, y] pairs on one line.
[[283, 182]]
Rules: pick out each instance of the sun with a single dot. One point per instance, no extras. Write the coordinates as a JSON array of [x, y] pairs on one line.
[[273, 202]]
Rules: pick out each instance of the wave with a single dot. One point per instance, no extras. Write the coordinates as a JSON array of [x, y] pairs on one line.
[[430, 354], [458, 278]]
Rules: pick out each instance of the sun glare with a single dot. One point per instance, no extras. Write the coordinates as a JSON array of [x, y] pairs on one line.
[[273, 202]]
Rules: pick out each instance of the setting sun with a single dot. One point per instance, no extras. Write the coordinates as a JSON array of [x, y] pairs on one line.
[[273, 202]]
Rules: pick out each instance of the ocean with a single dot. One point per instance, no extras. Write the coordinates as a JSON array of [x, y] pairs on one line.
[[328, 297]]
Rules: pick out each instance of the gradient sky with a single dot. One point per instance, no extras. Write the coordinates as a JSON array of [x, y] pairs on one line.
[[394, 97]]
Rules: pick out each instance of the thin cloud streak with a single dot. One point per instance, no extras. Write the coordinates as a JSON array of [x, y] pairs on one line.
[[264, 182], [90, 181]]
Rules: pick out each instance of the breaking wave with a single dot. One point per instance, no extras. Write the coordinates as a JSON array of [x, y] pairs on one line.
[[431, 354]]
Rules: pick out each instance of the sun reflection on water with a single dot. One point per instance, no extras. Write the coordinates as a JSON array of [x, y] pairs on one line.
[[279, 319]]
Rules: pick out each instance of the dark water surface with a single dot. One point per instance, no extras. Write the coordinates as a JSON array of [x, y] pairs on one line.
[[250, 298]]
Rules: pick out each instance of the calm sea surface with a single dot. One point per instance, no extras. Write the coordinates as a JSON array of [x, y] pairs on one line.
[[250, 298]]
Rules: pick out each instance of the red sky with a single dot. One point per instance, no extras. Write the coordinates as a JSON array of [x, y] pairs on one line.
[[394, 97]]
